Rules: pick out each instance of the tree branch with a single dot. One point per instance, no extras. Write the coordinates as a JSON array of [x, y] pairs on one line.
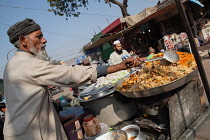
[[125, 2], [116, 2], [123, 6]]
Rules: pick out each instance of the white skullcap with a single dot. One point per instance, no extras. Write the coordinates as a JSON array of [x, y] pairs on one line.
[[116, 42], [162, 50]]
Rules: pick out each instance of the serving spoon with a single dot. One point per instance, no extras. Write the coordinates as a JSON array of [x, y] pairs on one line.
[[169, 55]]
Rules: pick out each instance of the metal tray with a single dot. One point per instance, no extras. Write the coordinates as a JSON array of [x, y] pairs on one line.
[[95, 94], [157, 90]]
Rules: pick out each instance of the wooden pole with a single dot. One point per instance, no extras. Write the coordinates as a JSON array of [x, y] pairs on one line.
[[193, 47]]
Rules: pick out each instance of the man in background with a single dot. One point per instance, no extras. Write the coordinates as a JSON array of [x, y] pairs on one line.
[[200, 38], [117, 56]]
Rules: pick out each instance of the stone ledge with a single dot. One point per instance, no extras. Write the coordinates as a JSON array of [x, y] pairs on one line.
[[194, 129]]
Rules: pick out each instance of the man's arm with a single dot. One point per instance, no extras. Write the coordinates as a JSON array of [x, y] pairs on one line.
[[128, 63], [44, 73]]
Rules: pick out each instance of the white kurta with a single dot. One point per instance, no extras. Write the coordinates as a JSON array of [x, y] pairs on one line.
[[30, 113], [115, 58]]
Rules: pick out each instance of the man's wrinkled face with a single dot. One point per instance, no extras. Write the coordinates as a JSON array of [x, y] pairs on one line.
[[37, 45], [118, 48]]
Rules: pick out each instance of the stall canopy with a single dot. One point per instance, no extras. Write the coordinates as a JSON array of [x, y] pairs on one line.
[[132, 20], [115, 26], [145, 16]]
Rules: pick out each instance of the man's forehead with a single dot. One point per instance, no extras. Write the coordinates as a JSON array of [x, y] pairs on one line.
[[37, 32], [118, 44]]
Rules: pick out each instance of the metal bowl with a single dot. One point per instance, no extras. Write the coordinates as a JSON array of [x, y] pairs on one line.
[[134, 131], [113, 135], [156, 90]]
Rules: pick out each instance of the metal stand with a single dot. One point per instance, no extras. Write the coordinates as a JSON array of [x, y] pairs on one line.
[[193, 47]]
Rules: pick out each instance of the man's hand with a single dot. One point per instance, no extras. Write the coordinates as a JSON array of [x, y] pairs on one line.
[[126, 64], [132, 62]]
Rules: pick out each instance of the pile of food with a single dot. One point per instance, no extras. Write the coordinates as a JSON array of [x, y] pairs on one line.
[[159, 72], [111, 78]]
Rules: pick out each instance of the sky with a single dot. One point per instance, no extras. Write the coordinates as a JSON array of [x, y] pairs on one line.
[[65, 38]]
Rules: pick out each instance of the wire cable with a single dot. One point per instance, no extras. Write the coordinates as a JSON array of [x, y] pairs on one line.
[[50, 11], [56, 33], [65, 53], [67, 35], [50, 50], [67, 56], [5, 24]]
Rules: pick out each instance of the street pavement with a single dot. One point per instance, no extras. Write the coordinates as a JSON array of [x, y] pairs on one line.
[[200, 129], [204, 132]]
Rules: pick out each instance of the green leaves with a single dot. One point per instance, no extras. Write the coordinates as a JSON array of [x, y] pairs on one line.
[[71, 7], [67, 7]]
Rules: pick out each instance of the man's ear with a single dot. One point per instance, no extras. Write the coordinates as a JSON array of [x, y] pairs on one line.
[[23, 40]]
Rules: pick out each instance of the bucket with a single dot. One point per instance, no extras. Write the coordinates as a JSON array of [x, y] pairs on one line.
[[112, 109], [134, 132]]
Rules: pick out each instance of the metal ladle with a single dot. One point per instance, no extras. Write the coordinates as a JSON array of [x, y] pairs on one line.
[[170, 56]]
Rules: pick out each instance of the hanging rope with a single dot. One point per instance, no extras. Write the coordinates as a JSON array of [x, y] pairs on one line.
[[9, 52]]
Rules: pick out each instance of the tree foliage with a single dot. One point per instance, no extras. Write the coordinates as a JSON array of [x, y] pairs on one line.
[[67, 7], [70, 8]]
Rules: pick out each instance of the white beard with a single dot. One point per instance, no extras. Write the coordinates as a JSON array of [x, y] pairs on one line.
[[41, 53]]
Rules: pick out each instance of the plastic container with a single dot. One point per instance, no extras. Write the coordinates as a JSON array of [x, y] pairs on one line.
[[134, 132], [104, 129], [64, 103], [3, 100], [91, 125]]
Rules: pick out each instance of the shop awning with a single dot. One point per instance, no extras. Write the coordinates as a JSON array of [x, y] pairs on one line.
[[107, 38], [132, 20], [162, 9], [115, 26]]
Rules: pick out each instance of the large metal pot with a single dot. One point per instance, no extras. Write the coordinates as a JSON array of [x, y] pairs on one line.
[[112, 109]]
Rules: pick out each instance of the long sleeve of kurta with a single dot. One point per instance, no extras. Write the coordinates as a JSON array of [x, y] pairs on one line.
[[30, 113]]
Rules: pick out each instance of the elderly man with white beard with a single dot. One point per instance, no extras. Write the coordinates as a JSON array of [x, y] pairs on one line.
[[30, 113]]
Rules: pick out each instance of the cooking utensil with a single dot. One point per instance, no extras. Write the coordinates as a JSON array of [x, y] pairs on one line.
[[170, 56], [156, 90], [87, 96]]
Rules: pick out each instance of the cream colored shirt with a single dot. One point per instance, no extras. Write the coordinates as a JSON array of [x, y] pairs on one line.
[[30, 113], [115, 58]]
